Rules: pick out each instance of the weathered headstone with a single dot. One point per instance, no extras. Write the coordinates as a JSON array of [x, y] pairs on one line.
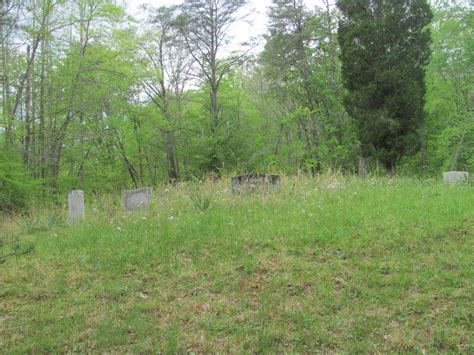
[[75, 202], [254, 182], [454, 177], [138, 199]]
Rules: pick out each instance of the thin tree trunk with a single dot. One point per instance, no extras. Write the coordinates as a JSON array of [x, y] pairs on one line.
[[136, 130], [6, 110], [81, 142], [173, 171], [42, 138], [457, 153], [28, 118]]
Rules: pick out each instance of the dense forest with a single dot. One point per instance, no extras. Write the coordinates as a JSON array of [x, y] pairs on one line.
[[94, 99]]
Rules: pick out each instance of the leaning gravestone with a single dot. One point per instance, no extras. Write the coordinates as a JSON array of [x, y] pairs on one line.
[[75, 201], [454, 177], [138, 199], [254, 182]]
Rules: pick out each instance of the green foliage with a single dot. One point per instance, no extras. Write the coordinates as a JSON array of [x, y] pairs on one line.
[[43, 222], [384, 48], [302, 71], [16, 185], [450, 84], [200, 200], [101, 105]]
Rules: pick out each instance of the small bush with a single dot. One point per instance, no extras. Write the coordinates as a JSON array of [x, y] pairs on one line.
[[201, 201], [53, 219], [16, 185], [43, 223]]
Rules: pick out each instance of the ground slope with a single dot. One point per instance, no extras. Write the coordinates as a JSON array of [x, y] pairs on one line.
[[327, 264]]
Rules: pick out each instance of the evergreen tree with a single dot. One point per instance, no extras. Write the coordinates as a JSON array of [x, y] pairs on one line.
[[384, 49]]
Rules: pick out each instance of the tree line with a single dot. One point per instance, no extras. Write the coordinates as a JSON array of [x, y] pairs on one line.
[[94, 99]]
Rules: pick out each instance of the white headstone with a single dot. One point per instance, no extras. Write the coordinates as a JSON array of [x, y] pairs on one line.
[[138, 199], [75, 201], [454, 177]]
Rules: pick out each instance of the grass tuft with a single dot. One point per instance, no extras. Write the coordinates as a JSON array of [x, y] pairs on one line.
[[200, 200]]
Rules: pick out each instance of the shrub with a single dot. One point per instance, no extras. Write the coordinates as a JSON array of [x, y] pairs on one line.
[[201, 201], [16, 184]]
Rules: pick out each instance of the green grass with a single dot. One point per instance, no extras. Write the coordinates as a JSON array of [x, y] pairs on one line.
[[331, 264]]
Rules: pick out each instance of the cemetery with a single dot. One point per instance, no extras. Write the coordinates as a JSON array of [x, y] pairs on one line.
[[335, 256], [236, 177]]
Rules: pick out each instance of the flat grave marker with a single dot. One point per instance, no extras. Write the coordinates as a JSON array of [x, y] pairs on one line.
[[252, 182]]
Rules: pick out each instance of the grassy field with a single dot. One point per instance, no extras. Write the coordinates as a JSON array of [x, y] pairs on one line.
[[330, 264]]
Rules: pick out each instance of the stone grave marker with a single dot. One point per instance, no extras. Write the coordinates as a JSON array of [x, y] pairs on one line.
[[75, 202], [138, 199], [454, 177], [252, 182]]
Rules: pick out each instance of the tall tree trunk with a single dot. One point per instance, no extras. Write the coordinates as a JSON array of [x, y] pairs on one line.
[[214, 111], [214, 157], [136, 129], [41, 164], [173, 170], [81, 142], [6, 109], [28, 118]]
